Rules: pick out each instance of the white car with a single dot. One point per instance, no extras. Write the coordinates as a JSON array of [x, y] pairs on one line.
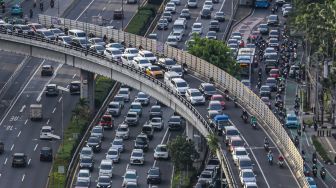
[[194, 96], [206, 176], [86, 152], [127, 59], [197, 28], [208, 4], [172, 41], [247, 175], [46, 132], [84, 174], [178, 69], [137, 157], [113, 154], [141, 63], [130, 176], [124, 92], [115, 45], [122, 131], [161, 152], [133, 51], [157, 123], [179, 85], [106, 168], [142, 98], [178, 34], [171, 7], [176, 2], [118, 144], [113, 54], [237, 152], [148, 55]]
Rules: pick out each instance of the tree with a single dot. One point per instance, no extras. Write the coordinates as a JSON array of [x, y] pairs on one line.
[[182, 152], [215, 52], [212, 143]]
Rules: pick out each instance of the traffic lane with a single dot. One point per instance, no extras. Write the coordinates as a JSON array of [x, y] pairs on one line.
[[78, 9], [8, 66]]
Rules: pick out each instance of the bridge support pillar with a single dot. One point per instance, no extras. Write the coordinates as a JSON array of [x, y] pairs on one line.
[[88, 88], [189, 131]]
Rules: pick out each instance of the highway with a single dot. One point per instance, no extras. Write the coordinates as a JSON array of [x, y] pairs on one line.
[[223, 5]]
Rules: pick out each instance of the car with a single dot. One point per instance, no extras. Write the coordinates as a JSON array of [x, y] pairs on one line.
[[292, 120], [273, 42], [274, 33], [36, 26], [46, 154], [306, 170], [82, 184], [104, 181], [95, 143], [220, 16], [215, 105], [178, 69], [106, 168], [185, 13], [263, 29], [178, 34], [208, 4], [218, 97], [287, 11], [166, 63], [113, 154], [293, 70], [65, 40], [99, 49], [172, 41], [74, 87], [137, 157], [311, 182], [148, 55], [113, 54], [131, 51], [171, 7], [114, 108], [272, 83], [86, 163], [47, 70], [7, 28], [214, 25], [120, 99], [142, 98], [238, 152], [80, 43], [141, 63], [284, 6], [52, 90], [280, 2], [273, 20], [115, 45], [155, 111], [123, 131], [192, 3], [194, 96], [130, 176], [132, 118], [154, 176], [19, 160], [98, 131], [118, 144], [175, 123], [118, 14], [157, 123], [141, 142], [154, 71], [22, 29], [106, 121], [207, 176], [97, 41], [179, 85], [84, 174], [125, 92], [162, 24], [167, 15], [211, 35], [230, 131], [127, 59], [247, 175], [265, 91], [235, 141], [250, 185], [86, 152], [136, 107], [176, 2], [148, 130], [45, 133], [274, 73], [197, 28], [207, 89], [161, 152]]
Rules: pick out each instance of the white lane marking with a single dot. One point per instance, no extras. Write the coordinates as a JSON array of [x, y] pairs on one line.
[[29, 161], [305, 135], [22, 108], [223, 5], [21, 93], [255, 158], [84, 10], [59, 100], [23, 177], [54, 110], [26, 121], [6, 160], [332, 148], [12, 147], [48, 121], [67, 86], [19, 134], [35, 147], [55, 73]]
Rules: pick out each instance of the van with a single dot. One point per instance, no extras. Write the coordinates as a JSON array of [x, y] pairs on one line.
[[230, 131], [52, 90], [168, 76], [45, 133], [179, 85], [244, 162], [180, 25], [106, 168], [76, 33]]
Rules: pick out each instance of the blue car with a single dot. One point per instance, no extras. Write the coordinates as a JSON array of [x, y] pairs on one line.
[[221, 120], [292, 121], [311, 181]]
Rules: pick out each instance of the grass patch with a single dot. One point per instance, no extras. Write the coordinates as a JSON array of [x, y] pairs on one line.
[[103, 87], [182, 179], [142, 19], [320, 149]]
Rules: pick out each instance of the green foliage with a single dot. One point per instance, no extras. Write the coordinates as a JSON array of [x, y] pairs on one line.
[[182, 152], [215, 52], [142, 19], [103, 87], [183, 179], [320, 149], [212, 143]]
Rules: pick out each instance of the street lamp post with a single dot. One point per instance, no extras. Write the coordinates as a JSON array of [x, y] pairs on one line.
[[122, 12]]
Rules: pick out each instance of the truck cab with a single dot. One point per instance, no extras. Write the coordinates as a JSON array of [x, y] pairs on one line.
[[106, 121], [221, 120]]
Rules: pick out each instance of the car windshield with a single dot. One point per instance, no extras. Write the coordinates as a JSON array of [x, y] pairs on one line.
[[196, 94], [156, 120], [144, 61], [112, 152], [197, 26], [98, 40], [130, 176], [273, 40], [181, 84], [161, 149], [46, 130], [220, 14], [167, 14], [116, 52], [117, 142], [185, 11], [83, 41], [131, 115], [86, 160], [155, 68], [232, 132], [273, 32], [216, 106], [135, 106], [122, 129], [17, 157], [56, 31], [67, 39], [274, 72], [271, 81], [137, 154], [237, 143], [48, 33], [106, 167], [205, 175], [175, 119], [148, 55], [142, 95], [176, 69], [163, 21], [245, 163], [218, 98], [133, 51], [140, 140], [291, 118], [97, 130], [118, 99], [263, 26], [123, 92], [25, 28], [104, 179], [265, 89], [82, 183], [80, 34], [171, 39], [93, 140], [242, 152], [113, 106], [209, 88], [86, 152], [248, 175], [99, 47], [154, 172], [83, 174]]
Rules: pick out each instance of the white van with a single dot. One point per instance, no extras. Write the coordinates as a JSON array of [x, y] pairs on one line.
[[45, 133], [76, 33], [180, 25], [106, 168], [168, 76]]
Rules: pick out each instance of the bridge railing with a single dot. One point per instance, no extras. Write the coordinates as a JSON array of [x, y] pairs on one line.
[[91, 56], [204, 70]]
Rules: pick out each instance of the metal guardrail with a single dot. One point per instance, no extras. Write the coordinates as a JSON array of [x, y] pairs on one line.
[[93, 56]]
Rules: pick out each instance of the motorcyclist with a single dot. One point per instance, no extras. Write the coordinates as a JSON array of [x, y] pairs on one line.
[[270, 156], [323, 172], [314, 170], [244, 115], [253, 120], [266, 141]]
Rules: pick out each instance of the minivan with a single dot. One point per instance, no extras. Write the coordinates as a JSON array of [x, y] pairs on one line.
[[230, 131], [168, 76], [180, 25], [179, 85]]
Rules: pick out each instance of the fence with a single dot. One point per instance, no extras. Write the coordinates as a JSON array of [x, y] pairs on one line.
[[205, 71]]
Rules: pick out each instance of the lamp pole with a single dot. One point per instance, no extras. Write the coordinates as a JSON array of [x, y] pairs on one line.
[[62, 119], [122, 12]]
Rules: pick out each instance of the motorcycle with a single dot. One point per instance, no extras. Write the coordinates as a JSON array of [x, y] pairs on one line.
[[254, 125], [270, 159], [323, 173], [266, 146], [281, 163], [245, 118]]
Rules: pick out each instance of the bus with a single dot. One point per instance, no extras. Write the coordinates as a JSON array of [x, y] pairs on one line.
[[262, 3], [245, 60]]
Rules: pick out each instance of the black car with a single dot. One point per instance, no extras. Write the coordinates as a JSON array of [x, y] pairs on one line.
[[104, 182], [75, 87], [175, 123], [94, 143], [155, 111], [46, 154], [206, 13], [154, 176], [19, 160], [207, 89], [47, 70], [86, 163], [141, 142]]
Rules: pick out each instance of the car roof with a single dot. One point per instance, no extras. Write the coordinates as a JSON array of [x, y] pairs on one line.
[[240, 148], [19, 154], [230, 128], [137, 150], [46, 127]]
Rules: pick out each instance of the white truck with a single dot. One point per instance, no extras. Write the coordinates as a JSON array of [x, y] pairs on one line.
[[36, 112]]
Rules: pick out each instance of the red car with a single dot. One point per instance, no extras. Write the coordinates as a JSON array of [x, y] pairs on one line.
[[220, 98], [106, 121], [274, 73]]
